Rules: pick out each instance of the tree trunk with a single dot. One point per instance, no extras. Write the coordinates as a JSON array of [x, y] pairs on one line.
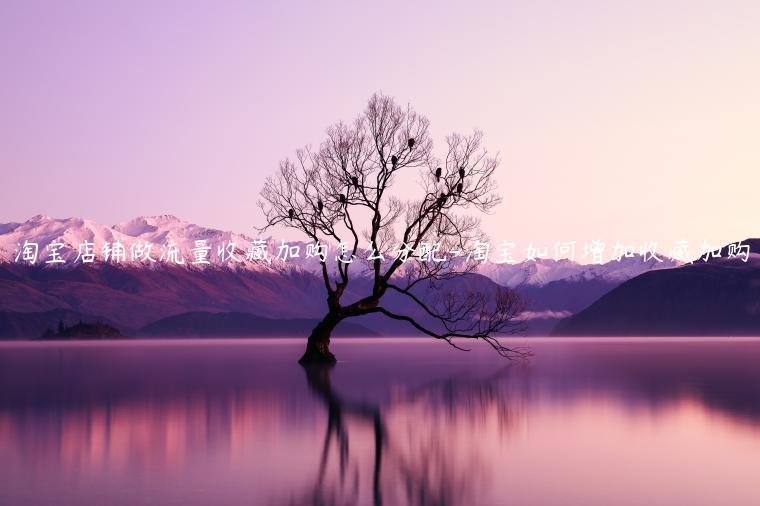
[[318, 344]]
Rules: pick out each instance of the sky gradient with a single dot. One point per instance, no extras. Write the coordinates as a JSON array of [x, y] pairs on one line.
[[619, 120]]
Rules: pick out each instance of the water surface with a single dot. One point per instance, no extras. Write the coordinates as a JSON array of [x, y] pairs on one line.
[[397, 421]]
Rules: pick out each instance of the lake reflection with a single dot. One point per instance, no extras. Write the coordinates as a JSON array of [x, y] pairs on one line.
[[397, 421]]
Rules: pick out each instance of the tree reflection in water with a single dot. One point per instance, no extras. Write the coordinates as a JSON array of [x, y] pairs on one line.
[[419, 465]]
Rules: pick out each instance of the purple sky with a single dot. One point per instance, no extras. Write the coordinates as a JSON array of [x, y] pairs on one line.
[[630, 120]]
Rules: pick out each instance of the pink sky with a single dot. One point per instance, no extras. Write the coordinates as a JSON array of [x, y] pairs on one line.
[[629, 120]]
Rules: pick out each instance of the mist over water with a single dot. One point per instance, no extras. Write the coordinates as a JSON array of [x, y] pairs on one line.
[[397, 421]]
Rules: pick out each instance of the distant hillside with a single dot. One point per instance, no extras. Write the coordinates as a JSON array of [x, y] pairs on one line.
[[204, 324], [720, 297], [132, 297]]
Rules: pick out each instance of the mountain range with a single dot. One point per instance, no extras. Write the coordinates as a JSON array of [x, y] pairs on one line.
[[133, 294], [162, 231]]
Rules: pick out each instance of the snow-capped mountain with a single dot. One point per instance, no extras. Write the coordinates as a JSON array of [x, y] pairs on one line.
[[151, 240], [136, 291], [541, 272], [146, 240]]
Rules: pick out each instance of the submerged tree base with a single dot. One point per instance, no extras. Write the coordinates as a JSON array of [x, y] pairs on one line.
[[317, 352], [318, 344], [314, 355]]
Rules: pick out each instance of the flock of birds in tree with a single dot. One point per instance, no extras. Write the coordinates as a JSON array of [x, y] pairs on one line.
[[394, 162]]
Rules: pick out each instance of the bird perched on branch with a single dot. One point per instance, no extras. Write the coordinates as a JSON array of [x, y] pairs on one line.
[[459, 188], [342, 198], [410, 143], [355, 181], [461, 172], [394, 160], [438, 174], [320, 205], [291, 212]]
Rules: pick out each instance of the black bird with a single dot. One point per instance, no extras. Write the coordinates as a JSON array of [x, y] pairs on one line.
[[342, 198], [355, 181], [438, 174], [461, 172], [291, 213], [442, 198], [394, 160], [320, 205], [459, 188], [410, 142]]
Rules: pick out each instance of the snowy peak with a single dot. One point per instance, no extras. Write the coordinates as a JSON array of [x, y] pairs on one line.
[[42, 231]]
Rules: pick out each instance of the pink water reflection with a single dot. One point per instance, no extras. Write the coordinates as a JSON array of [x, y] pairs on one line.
[[239, 423]]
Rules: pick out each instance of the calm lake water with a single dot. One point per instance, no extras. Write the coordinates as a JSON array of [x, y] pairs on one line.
[[397, 421]]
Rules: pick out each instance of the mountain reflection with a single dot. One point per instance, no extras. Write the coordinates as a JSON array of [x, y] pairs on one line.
[[396, 423]]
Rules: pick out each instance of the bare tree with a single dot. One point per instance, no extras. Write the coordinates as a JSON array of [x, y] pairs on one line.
[[341, 192]]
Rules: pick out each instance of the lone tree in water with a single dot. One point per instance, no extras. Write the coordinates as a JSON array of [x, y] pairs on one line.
[[341, 193]]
